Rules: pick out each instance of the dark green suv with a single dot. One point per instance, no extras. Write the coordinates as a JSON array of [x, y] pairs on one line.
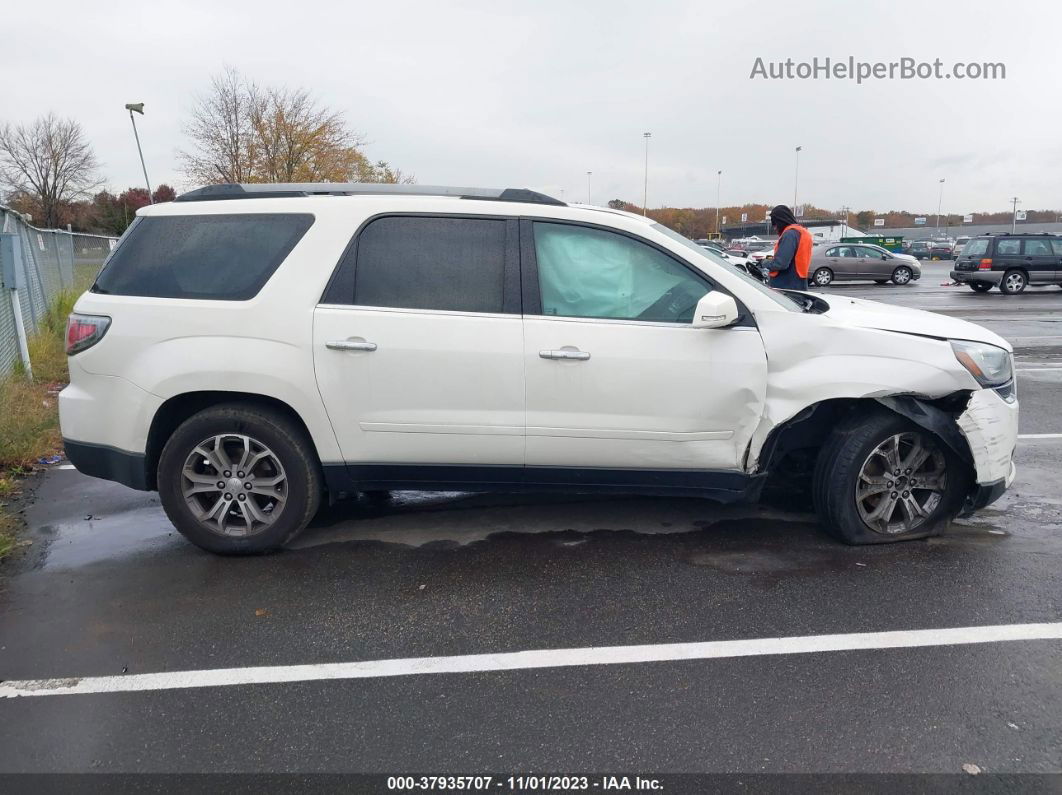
[[1012, 262]]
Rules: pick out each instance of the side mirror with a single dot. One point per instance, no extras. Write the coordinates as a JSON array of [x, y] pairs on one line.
[[715, 310], [884, 256]]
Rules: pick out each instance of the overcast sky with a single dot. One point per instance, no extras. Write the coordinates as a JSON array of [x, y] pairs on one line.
[[538, 93]]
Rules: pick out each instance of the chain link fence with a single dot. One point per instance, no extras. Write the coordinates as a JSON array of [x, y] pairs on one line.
[[37, 265]]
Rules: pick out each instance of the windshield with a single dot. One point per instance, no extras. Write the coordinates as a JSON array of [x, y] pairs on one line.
[[778, 297]]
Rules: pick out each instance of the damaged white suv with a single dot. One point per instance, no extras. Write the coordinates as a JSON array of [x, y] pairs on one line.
[[251, 350]]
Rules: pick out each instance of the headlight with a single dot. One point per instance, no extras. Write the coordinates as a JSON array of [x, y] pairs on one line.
[[989, 364]]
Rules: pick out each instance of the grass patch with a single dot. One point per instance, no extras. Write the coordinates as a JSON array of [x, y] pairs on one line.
[[8, 528], [29, 422]]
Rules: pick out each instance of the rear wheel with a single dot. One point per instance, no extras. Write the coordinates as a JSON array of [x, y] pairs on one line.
[[822, 277], [880, 478], [980, 287], [1013, 282], [902, 275], [238, 479]]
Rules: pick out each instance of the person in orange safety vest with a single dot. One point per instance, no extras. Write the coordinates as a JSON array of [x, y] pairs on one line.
[[792, 252]]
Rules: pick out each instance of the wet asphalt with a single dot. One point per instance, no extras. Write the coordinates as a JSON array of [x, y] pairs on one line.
[[108, 587]]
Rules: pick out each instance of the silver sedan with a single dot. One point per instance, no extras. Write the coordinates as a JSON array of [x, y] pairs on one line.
[[834, 262]]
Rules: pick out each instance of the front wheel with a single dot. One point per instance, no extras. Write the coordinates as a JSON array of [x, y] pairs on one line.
[[1013, 282], [880, 478], [902, 275], [980, 287], [239, 479], [822, 277]]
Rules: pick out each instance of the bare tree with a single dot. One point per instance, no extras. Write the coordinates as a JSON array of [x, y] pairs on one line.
[[220, 128], [49, 160], [244, 133]]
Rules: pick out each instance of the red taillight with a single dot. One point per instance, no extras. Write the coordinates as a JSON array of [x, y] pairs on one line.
[[986, 264], [84, 331]]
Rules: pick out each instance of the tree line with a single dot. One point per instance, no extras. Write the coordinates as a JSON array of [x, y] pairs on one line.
[[237, 131], [700, 222]]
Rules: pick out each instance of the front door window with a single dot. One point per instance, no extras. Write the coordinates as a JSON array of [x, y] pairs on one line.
[[590, 273]]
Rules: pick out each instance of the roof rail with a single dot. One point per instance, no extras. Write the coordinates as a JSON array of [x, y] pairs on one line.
[[234, 190]]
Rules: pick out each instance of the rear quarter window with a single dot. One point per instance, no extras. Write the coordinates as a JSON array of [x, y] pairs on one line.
[[215, 257], [1006, 247]]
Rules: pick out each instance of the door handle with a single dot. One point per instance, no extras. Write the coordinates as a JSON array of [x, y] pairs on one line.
[[350, 345], [581, 356]]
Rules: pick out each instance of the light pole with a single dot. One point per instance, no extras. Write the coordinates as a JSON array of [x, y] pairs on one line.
[[718, 193], [139, 108], [796, 178], [1014, 214], [588, 194], [645, 194], [940, 199]]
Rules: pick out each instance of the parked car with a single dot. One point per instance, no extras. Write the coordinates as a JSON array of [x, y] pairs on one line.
[[713, 244], [940, 249], [956, 249], [859, 261], [1011, 262], [759, 245], [254, 351], [919, 249]]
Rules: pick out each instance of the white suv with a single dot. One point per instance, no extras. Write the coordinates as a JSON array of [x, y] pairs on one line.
[[251, 350]]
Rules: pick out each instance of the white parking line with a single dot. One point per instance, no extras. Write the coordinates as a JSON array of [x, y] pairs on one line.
[[1040, 435], [541, 658]]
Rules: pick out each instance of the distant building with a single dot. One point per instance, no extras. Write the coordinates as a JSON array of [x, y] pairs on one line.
[[822, 231], [968, 230]]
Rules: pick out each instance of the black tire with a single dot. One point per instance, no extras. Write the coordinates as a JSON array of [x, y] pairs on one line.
[[283, 439], [902, 275], [837, 474], [980, 287], [1013, 282], [822, 277]]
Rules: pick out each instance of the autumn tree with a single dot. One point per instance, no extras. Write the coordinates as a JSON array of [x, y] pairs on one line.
[[48, 161], [243, 132]]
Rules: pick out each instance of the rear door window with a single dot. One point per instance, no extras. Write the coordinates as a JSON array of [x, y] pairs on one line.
[[439, 263], [216, 257], [1037, 248]]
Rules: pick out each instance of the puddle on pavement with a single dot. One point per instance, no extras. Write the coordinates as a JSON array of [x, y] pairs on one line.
[[776, 563], [418, 520], [970, 533]]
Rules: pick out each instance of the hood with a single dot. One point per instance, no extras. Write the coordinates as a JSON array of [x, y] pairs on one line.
[[887, 317]]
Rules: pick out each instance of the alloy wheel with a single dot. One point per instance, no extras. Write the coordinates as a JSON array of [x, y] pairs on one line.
[[901, 483], [902, 275], [234, 485], [1015, 282]]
